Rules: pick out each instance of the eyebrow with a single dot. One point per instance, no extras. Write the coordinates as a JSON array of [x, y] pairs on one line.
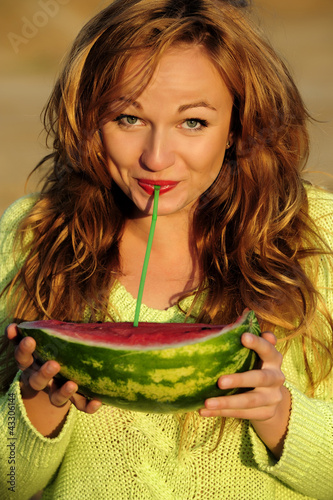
[[184, 107], [201, 104]]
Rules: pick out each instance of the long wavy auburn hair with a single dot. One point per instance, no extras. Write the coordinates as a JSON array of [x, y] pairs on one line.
[[251, 228]]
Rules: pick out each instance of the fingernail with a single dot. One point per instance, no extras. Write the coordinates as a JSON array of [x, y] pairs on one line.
[[27, 342], [49, 370], [225, 383], [204, 413], [212, 404], [248, 338], [70, 389]]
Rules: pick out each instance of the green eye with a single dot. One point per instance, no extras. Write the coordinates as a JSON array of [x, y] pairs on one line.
[[128, 121], [192, 123], [131, 120]]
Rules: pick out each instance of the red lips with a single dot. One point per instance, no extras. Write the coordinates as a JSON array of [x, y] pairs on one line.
[[148, 185]]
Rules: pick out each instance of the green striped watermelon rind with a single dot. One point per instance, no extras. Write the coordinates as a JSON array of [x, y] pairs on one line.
[[165, 380]]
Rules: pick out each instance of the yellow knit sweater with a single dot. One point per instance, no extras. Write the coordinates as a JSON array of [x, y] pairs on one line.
[[119, 455]]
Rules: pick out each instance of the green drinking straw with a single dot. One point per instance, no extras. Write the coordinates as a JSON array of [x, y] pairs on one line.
[[147, 255]]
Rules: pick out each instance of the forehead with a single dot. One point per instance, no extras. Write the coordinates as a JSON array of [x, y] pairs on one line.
[[184, 72]]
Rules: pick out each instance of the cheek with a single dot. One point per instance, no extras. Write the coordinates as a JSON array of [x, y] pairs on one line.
[[116, 154], [120, 157], [211, 168], [212, 160]]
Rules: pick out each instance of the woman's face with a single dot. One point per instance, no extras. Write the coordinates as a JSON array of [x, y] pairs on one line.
[[175, 134]]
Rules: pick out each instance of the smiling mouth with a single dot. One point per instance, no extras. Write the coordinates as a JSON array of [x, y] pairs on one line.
[[148, 186]]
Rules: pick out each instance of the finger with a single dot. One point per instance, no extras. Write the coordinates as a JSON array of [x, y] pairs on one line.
[[259, 414], [12, 331], [68, 392], [83, 404], [265, 350], [59, 396], [93, 406], [23, 352], [251, 399], [254, 378], [41, 378], [270, 337]]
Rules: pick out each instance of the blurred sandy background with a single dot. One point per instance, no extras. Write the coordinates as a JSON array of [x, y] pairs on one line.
[[36, 33]]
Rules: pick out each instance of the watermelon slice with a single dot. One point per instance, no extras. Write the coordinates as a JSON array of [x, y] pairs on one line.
[[153, 367]]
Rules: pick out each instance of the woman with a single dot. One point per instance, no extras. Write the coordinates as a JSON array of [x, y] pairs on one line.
[[185, 95]]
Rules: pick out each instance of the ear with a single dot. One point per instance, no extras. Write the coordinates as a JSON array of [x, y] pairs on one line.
[[230, 140]]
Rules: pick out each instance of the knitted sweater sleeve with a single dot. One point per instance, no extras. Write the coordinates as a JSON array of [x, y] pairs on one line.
[[306, 464], [28, 460]]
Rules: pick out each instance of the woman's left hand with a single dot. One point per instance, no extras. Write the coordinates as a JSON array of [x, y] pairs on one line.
[[267, 404]]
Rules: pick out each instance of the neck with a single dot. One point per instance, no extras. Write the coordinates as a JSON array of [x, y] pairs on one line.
[[171, 231], [173, 265]]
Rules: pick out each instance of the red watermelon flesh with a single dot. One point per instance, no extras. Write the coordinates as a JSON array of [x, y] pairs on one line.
[[125, 335]]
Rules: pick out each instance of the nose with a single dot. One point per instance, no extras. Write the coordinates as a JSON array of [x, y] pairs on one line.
[[158, 152]]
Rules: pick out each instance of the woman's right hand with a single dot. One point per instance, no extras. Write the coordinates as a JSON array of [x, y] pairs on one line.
[[46, 403]]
